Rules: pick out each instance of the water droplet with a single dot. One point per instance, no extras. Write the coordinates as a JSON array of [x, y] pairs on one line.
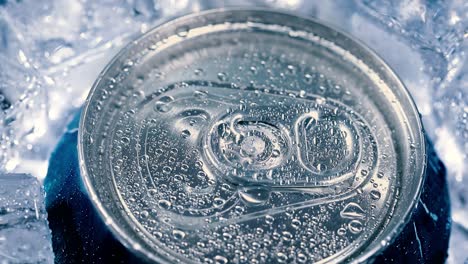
[[227, 236], [165, 204], [167, 169], [375, 195], [355, 226], [162, 107], [185, 133], [182, 32], [178, 234], [152, 192], [281, 257], [287, 236], [218, 201], [275, 153], [144, 214], [269, 219], [341, 231], [200, 94], [158, 234], [295, 223], [239, 209], [254, 196], [276, 236], [222, 76], [291, 69], [166, 99], [220, 260], [198, 72], [353, 211]]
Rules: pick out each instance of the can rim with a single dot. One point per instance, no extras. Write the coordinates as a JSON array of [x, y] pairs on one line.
[[410, 108]]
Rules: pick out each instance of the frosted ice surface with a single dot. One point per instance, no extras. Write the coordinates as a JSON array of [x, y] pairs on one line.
[[68, 42], [20, 91], [437, 32], [24, 232], [60, 30]]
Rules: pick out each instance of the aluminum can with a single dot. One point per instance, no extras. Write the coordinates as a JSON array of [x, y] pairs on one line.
[[257, 136]]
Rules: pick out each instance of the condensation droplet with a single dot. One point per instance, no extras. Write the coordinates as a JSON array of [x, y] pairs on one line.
[[182, 32], [341, 231], [162, 107], [269, 219], [165, 204], [220, 259], [254, 196], [178, 234], [302, 93], [222, 76], [355, 226], [185, 133], [281, 257], [198, 71], [375, 195], [353, 211]]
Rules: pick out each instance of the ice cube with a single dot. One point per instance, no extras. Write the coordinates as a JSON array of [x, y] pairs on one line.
[[61, 30], [25, 236], [451, 133], [23, 110], [9, 42], [69, 42]]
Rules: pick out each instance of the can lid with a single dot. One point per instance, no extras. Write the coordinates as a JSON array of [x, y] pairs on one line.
[[251, 135]]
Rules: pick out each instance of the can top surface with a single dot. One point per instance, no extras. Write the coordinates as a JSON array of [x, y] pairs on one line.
[[251, 135]]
